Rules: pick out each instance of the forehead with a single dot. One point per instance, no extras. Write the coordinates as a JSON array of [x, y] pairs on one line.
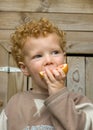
[[33, 43]]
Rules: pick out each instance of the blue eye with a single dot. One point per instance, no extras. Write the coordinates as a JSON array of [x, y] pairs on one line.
[[55, 52], [37, 56]]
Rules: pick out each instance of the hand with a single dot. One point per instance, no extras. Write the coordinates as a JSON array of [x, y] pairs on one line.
[[54, 79]]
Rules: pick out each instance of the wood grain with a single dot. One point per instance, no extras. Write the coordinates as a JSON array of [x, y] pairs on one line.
[[76, 74], [3, 76], [65, 21], [89, 77], [73, 6]]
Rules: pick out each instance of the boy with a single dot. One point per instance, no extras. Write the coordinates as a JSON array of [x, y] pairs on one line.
[[40, 46]]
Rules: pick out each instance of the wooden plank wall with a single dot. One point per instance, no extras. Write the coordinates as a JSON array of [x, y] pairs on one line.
[[75, 17]]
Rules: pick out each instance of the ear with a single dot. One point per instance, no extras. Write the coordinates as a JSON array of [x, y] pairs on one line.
[[23, 68]]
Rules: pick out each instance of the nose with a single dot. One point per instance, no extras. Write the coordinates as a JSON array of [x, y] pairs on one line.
[[48, 60]]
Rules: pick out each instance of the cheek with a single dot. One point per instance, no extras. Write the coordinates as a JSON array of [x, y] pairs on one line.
[[35, 68], [60, 60]]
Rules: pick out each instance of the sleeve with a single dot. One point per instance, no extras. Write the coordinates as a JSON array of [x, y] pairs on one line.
[[3, 121], [70, 111]]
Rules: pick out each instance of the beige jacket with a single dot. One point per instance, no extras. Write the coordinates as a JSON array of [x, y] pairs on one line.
[[62, 111]]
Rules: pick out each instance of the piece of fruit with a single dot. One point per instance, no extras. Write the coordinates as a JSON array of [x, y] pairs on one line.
[[63, 66], [41, 73]]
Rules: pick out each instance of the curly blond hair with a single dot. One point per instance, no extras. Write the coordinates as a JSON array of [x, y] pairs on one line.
[[33, 29]]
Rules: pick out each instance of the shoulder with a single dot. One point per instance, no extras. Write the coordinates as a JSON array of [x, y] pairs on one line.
[[21, 96]]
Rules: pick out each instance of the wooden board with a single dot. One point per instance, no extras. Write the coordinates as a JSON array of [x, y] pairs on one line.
[[89, 77], [80, 6], [76, 74], [3, 76], [17, 82], [65, 21], [79, 43]]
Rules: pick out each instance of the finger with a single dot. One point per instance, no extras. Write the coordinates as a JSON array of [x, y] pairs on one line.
[[50, 75], [57, 74], [62, 73], [46, 78]]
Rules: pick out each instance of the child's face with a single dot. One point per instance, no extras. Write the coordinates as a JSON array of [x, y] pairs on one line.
[[40, 53]]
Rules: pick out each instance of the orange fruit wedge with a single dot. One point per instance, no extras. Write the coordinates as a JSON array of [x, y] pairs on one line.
[[63, 66]]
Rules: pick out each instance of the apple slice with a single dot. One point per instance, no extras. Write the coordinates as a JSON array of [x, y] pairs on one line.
[[63, 66]]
